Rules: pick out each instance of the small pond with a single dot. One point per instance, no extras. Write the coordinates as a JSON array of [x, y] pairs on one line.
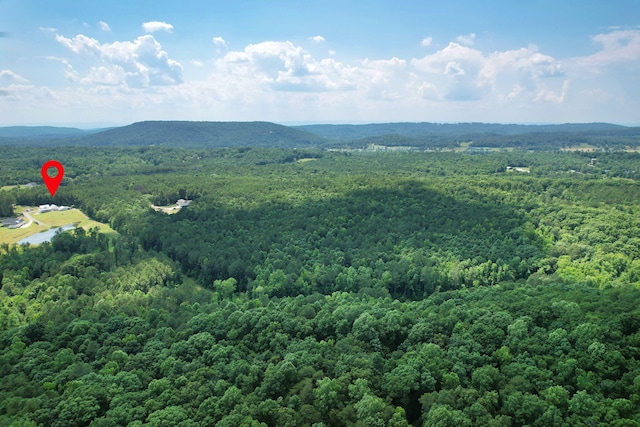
[[45, 236]]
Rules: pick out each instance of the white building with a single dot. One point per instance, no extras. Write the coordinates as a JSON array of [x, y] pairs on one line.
[[48, 208]]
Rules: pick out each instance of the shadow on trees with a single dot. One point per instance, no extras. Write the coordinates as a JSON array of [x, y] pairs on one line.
[[408, 240]]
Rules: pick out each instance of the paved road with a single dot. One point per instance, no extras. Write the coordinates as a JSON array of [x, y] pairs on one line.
[[30, 218]]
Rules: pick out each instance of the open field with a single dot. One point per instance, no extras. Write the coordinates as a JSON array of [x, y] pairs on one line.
[[11, 187], [59, 218], [50, 219]]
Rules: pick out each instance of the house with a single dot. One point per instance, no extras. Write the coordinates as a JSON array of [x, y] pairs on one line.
[[30, 184], [12, 222], [182, 203], [48, 208]]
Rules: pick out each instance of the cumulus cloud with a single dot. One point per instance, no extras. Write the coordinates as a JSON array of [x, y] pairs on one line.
[[382, 79], [282, 81], [138, 63], [282, 66], [219, 42], [618, 46], [468, 40], [153, 26], [456, 73], [10, 76], [104, 26], [317, 39], [427, 41], [462, 73]]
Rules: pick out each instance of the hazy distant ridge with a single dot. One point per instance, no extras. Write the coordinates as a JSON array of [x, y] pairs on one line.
[[41, 132], [266, 134], [421, 129]]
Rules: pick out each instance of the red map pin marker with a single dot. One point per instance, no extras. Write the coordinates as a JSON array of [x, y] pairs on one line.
[[52, 183]]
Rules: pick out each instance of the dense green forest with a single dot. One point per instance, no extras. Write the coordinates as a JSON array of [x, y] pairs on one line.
[[305, 287]]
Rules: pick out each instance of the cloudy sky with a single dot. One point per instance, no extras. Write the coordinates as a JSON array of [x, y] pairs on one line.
[[88, 63]]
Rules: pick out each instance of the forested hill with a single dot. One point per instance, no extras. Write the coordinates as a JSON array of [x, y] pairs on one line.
[[168, 133], [348, 131], [204, 134], [265, 134]]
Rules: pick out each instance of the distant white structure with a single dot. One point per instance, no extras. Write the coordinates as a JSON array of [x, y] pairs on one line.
[[52, 208], [518, 169], [182, 203], [47, 208]]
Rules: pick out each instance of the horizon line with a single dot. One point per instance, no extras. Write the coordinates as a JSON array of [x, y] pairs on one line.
[[103, 125]]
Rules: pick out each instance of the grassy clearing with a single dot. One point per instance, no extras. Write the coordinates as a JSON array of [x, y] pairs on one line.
[[166, 209], [51, 219], [11, 187], [59, 218]]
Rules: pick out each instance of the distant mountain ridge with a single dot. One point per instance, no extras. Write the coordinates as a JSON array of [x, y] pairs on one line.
[[267, 134], [209, 134]]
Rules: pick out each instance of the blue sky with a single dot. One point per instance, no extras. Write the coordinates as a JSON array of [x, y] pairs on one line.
[[89, 63]]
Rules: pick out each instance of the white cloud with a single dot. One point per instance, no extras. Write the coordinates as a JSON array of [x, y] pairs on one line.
[[282, 66], [69, 72], [317, 39], [9, 75], [104, 26], [332, 52], [427, 41], [450, 74], [141, 62], [103, 76], [219, 42], [382, 79], [548, 95], [153, 26], [462, 73], [468, 40], [620, 46], [282, 81]]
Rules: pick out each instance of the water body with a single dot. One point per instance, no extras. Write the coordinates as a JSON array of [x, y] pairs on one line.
[[45, 236]]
